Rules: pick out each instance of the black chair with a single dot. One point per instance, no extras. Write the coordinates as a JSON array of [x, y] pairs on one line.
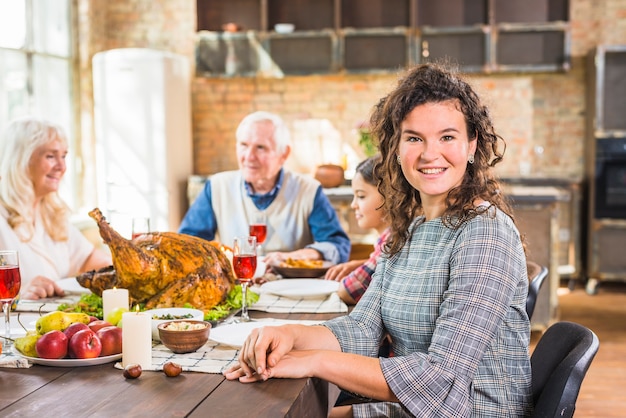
[[536, 277], [559, 363]]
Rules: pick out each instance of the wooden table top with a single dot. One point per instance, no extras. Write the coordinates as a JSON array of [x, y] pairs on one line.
[[102, 391]]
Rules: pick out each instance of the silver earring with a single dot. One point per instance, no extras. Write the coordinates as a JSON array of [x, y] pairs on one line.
[[470, 158], [398, 159]]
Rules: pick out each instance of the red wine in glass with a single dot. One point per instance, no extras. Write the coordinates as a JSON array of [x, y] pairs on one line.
[[259, 231], [244, 266], [10, 283]]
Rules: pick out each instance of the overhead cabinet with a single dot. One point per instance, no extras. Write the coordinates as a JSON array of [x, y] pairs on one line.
[[238, 37]]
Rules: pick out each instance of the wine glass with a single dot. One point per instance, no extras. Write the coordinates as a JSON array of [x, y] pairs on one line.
[[10, 283], [140, 226], [258, 229], [244, 266]]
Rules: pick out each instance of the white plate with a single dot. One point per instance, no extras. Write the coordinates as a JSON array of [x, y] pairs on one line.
[[70, 285], [67, 362], [301, 288], [234, 334]]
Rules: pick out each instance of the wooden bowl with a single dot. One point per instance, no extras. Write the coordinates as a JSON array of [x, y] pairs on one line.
[[184, 341], [172, 314], [330, 175]]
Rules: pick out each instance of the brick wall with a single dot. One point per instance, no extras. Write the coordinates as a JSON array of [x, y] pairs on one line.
[[532, 111]]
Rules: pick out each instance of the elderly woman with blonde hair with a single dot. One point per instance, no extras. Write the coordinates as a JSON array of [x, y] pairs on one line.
[[34, 220]]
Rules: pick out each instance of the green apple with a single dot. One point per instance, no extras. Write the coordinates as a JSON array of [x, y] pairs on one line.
[[115, 316]]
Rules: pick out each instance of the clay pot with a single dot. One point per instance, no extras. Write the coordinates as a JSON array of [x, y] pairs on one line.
[[330, 175]]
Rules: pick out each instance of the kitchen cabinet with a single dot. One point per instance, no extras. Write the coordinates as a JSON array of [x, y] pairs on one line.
[[606, 165], [355, 36], [536, 211], [570, 222]]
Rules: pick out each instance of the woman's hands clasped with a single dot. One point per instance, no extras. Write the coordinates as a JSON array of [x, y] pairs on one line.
[[261, 351], [268, 352]]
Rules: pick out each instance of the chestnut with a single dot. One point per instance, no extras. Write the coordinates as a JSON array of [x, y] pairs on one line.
[[132, 371], [172, 369]]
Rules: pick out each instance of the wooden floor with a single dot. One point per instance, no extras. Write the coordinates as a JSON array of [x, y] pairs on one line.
[[603, 393]]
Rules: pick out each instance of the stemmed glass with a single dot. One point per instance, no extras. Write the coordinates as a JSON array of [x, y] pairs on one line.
[[10, 283], [140, 226], [244, 266], [258, 229]]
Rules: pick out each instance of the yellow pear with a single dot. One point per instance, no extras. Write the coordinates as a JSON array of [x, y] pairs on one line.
[[26, 344], [59, 320]]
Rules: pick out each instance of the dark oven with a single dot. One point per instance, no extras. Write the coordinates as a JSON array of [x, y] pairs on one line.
[[610, 180]]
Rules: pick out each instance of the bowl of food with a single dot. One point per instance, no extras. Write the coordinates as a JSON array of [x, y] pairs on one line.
[[163, 315], [184, 336], [305, 269]]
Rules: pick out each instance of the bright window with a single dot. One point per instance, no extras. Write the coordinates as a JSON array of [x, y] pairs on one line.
[[36, 68]]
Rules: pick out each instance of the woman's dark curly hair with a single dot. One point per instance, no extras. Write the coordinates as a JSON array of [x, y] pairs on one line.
[[432, 83]]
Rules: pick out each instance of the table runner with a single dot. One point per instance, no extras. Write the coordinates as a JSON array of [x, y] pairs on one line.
[[10, 360]]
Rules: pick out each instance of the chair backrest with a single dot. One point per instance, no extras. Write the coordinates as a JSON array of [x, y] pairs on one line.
[[536, 277], [559, 363]]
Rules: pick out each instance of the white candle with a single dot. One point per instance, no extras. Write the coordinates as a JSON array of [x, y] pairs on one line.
[[114, 298], [136, 339]]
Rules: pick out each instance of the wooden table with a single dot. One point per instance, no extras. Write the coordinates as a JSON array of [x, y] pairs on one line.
[[102, 391]]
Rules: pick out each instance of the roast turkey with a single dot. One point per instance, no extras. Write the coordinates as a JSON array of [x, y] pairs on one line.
[[162, 269]]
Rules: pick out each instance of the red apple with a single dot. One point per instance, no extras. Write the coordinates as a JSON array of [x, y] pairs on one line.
[[93, 318], [84, 344], [111, 339], [73, 329], [96, 325], [52, 345]]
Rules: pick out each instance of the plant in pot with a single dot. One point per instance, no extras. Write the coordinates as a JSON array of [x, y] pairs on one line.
[[366, 141]]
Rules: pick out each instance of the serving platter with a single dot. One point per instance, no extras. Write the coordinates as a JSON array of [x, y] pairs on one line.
[[301, 288], [67, 362], [302, 272]]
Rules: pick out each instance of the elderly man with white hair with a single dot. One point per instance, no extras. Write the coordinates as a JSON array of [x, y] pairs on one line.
[[301, 222]]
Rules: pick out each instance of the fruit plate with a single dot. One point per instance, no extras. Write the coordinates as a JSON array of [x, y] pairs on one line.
[[302, 272], [68, 362]]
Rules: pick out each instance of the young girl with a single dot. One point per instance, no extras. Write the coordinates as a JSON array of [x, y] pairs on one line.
[[356, 275]]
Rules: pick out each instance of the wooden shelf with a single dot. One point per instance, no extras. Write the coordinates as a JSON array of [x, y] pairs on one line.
[[304, 14], [452, 13], [347, 36]]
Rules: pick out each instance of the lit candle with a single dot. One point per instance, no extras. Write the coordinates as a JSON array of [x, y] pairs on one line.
[[114, 298], [136, 339]]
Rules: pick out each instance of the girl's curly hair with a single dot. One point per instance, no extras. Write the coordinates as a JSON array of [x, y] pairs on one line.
[[432, 83]]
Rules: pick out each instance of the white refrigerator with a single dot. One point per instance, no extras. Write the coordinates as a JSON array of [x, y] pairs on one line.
[[143, 136]]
